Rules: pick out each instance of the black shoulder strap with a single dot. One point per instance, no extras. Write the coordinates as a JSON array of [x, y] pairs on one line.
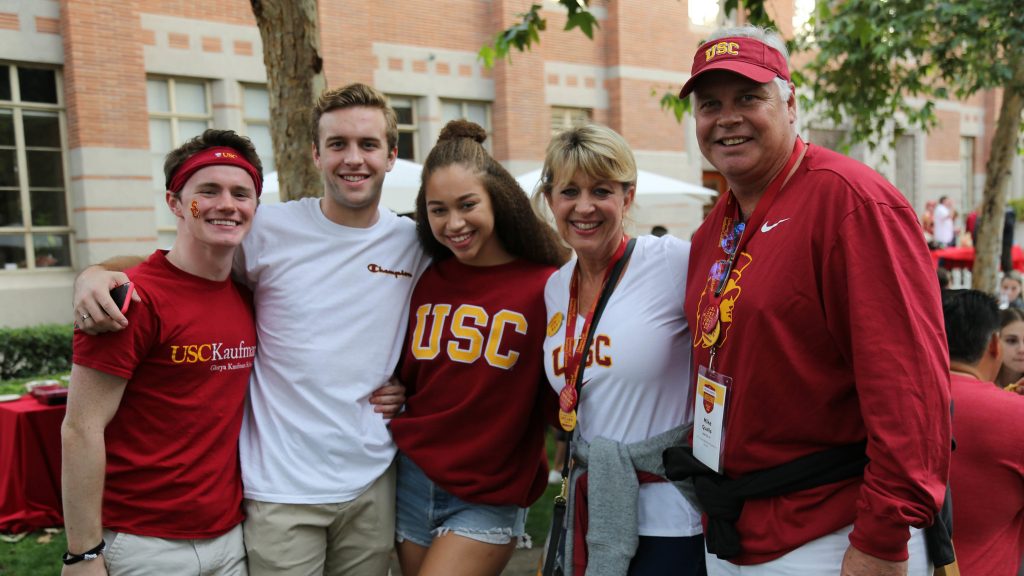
[[606, 294]]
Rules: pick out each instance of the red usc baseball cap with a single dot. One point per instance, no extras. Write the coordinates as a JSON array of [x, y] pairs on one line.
[[745, 56]]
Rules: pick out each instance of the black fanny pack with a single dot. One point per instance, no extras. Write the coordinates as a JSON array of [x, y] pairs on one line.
[[722, 498]]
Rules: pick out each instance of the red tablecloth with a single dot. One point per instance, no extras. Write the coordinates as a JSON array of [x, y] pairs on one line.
[[964, 257], [30, 465]]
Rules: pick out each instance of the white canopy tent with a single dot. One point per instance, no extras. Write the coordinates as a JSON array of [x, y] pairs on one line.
[[648, 184], [399, 194]]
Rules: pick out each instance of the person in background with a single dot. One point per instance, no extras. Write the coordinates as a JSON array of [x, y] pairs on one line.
[[986, 474], [1010, 288], [150, 474], [1011, 340], [811, 269], [945, 223], [928, 222], [471, 439], [623, 517], [659, 231]]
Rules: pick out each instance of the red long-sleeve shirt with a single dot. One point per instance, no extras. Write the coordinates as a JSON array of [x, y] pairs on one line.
[[832, 333]]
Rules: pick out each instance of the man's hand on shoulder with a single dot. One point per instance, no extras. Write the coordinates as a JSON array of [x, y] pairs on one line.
[[857, 563], [95, 311]]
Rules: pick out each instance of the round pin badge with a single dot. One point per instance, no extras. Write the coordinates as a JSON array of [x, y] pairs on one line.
[[554, 324], [709, 319]]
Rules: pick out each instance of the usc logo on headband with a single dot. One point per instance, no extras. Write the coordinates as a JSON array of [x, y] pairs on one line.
[[721, 49]]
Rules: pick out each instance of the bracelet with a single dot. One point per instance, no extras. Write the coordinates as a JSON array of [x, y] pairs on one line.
[[90, 554]]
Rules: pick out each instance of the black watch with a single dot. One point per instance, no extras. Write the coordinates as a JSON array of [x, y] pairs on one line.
[[90, 554]]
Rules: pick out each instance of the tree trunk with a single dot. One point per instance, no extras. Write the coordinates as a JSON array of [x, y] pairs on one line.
[[295, 78], [1004, 146]]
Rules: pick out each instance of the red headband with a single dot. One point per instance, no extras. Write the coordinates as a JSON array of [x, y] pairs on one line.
[[744, 56], [218, 155]]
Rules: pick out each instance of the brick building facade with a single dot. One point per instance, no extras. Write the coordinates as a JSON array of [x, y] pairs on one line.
[[93, 93]]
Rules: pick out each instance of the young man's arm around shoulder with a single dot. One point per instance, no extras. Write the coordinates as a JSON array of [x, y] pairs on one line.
[[95, 311], [93, 399]]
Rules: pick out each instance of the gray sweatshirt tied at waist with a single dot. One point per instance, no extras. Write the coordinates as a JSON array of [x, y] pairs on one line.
[[612, 493]]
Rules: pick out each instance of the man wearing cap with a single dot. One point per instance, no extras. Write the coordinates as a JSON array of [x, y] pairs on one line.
[[818, 336], [151, 483]]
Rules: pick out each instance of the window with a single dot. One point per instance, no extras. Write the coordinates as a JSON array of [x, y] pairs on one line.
[[256, 115], [178, 110], [967, 201], [906, 167], [34, 229], [837, 141], [564, 118], [479, 112], [405, 108]]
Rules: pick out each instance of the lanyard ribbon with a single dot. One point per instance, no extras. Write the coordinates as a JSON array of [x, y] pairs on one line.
[[709, 319], [573, 349]]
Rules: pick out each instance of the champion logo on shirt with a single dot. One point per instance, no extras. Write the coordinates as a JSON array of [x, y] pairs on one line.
[[378, 269]]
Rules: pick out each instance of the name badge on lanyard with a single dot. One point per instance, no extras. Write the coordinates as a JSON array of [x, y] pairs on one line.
[[710, 403]]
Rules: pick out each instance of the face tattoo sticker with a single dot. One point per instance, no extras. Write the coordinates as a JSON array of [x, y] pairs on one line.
[[195, 209]]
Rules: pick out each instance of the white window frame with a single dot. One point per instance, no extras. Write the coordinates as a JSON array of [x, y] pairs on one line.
[[968, 149], [413, 129], [166, 232], [269, 163], [463, 110], [569, 118], [27, 231]]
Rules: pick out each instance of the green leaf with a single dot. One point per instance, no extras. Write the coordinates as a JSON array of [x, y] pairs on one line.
[[584, 20], [672, 102], [487, 54]]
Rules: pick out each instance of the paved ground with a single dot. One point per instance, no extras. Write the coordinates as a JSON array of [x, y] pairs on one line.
[[523, 563]]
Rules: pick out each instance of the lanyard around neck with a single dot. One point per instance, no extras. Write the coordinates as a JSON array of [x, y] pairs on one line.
[[573, 348], [760, 212]]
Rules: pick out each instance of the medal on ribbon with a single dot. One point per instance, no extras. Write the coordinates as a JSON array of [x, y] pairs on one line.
[[567, 420], [573, 350]]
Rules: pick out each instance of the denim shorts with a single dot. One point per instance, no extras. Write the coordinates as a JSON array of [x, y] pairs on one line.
[[426, 511]]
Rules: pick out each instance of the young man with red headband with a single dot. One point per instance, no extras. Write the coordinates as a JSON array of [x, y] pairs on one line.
[[818, 337], [151, 480]]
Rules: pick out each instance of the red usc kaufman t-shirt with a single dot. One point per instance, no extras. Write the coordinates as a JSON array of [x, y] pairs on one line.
[[172, 446]]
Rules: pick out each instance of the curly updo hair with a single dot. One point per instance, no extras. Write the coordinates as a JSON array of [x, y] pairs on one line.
[[521, 232]]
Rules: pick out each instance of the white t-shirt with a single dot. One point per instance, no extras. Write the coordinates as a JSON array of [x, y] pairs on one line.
[[331, 308], [944, 228], [639, 384]]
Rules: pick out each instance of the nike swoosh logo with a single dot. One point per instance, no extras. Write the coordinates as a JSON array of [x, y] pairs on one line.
[[768, 227]]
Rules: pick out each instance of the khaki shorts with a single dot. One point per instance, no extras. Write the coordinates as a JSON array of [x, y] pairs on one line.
[[133, 555], [352, 538]]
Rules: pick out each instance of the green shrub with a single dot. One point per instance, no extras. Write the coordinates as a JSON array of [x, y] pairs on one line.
[[35, 350]]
